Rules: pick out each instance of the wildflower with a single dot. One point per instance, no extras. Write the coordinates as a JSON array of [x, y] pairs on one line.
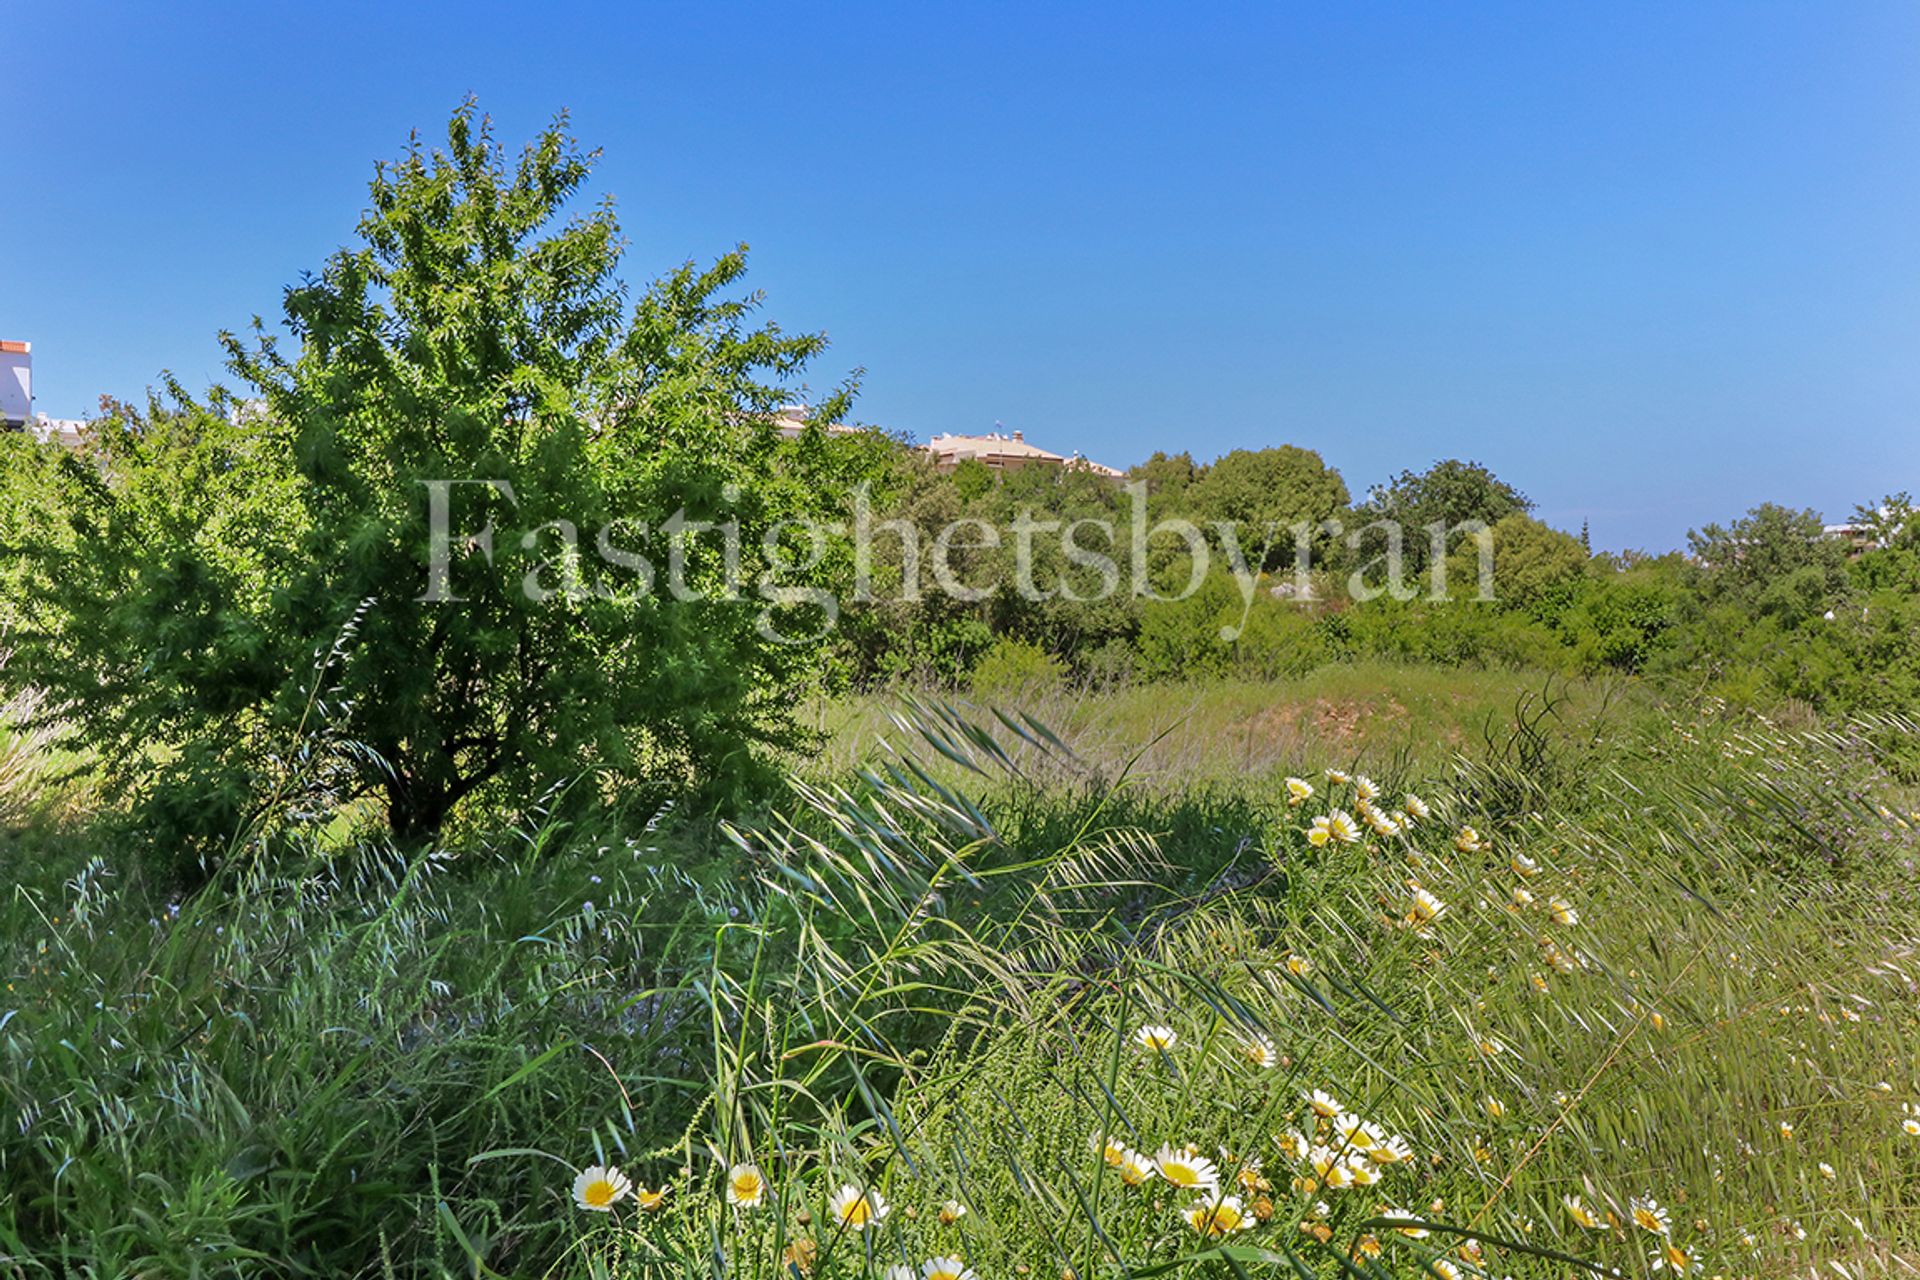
[[1318, 1230], [1495, 1107], [1383, 824], [746, 1188], [599, 1188], [1649, 1216], [1491, 1048], [1259, 1050], [1658, 1019], [1251, 1179], [1675, 1259], [1337, 825], [1298, 965], [1136, 1169], [1292, 1143], [945, 1269], [1361, 1172], [1323, 1104], [952, 1211], [1187, 1169], [1426, 908], [801, 1254], [898, 1271], [1538, 981], [1563, 912], [1443, 1268], [1581, 1215], [1111, 1150], [1468, 841], [1336, 777], [1220, 1216], [1416, 807], [1522, 898], [1299, 791], [1156, 1038], [1797, 1231], [1522, 865], [1826, 1171], [1362, 1135], [1786, 1132], [1325, 1162], [1365, 788], [1392, 1151], [1911, 1126], [857, 1210], [650, 1201]]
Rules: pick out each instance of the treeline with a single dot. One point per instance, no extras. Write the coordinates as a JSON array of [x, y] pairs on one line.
[[1769, 607]]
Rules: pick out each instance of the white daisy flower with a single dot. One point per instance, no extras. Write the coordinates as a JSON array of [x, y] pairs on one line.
[[600, 1187]]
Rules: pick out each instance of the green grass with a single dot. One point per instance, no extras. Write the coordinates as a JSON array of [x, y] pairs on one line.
[[927, 981], [1411, 719]]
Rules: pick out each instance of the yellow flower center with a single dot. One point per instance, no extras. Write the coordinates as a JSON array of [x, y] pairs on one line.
[[599, 1193], [747, 1186], [857, 1213]]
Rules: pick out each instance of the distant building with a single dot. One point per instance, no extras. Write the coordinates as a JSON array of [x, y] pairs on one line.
[[16, 399], [64, 431], [1858, 537], [999, 452], [16, 384], [792, 419]]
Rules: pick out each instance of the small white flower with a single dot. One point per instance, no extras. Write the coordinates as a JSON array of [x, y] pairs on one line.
[[599, 1188], [857, 1210], [1187, 1169], [1156, 1038]]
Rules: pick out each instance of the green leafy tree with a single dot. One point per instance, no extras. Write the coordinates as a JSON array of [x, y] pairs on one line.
[[1447, 494], [1531, 561], [1266, 492], [1774, 562], [476, 350]]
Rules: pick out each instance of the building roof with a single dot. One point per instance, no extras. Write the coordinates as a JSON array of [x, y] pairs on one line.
[[791, 420], [997, 449]]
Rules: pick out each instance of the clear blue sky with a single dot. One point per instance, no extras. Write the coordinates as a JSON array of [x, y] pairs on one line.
[[1652, 263]]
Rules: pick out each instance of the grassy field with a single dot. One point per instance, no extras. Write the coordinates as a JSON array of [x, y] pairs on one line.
[[997, 1005], [1408, 719]]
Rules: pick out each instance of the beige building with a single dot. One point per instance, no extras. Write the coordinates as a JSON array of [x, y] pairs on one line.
[[999, 452], [791, 420]]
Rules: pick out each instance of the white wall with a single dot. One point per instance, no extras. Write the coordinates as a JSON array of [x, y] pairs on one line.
[[16, 385]]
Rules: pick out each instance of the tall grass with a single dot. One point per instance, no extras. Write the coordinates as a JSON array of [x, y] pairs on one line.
[[924, 981]]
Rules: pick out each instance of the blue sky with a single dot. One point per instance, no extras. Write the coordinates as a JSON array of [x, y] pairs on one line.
[[1652, 263]]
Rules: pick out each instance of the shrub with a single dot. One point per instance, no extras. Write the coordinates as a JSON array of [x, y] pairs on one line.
[[1013, 668]]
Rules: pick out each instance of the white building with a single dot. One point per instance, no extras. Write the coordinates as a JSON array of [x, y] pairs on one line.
[[16, 400], [16, 384]]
